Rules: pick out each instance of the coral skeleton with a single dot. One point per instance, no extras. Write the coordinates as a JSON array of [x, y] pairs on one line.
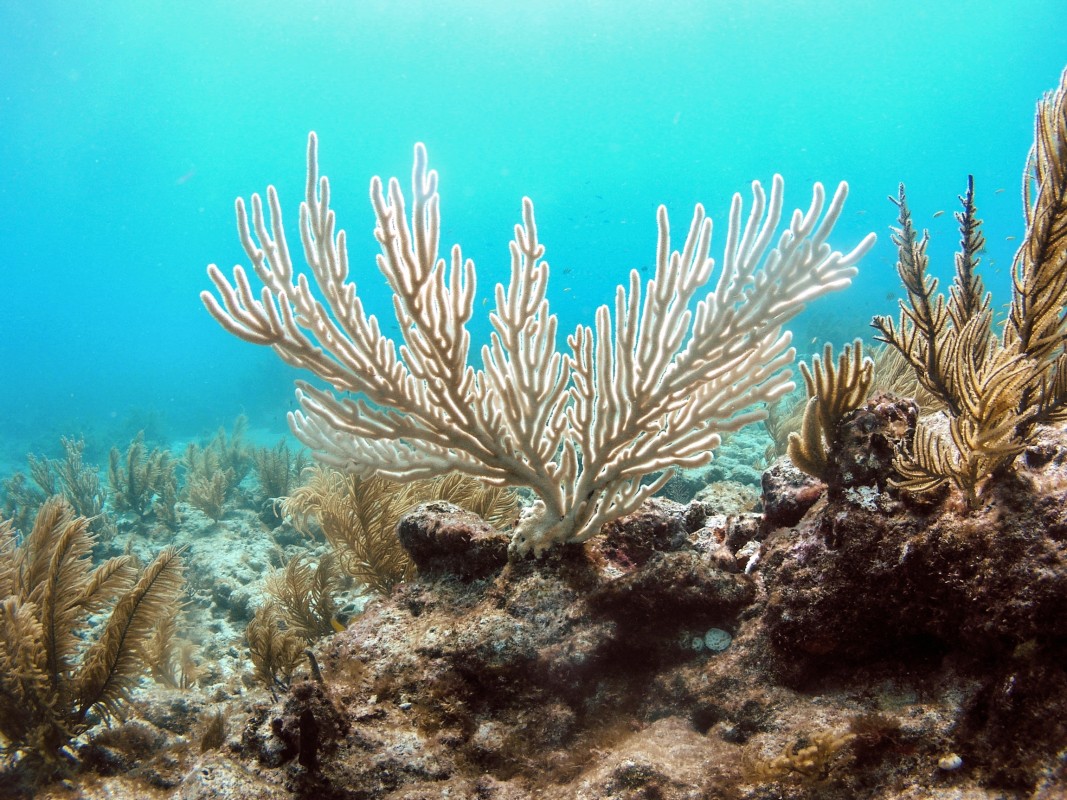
[[647, 389]]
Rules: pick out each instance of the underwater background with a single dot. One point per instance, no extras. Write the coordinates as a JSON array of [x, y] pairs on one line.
[[128, 128]]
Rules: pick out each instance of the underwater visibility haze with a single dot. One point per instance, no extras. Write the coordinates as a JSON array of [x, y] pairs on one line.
[[129, 128]]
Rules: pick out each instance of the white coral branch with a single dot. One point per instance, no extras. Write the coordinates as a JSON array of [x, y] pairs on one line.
[[649, 388]]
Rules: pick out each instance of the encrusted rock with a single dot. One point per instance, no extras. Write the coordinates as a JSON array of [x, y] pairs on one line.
[[680, 585], [867, 441], [788, 493], [443, 539], [660, 525], [728, 497], [216, 777], [667, 760], [988, 579], [310, 725]]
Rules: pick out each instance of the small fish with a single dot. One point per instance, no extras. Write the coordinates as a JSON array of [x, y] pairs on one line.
[[567, 289], [938, 214], [1009, 238], [336, 624], [999, 191]]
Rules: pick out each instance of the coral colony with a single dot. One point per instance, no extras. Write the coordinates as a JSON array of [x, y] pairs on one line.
[[647, 390]]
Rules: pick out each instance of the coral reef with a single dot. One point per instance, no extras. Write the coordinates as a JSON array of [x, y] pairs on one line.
[[305, 594], [689, 651], [588, 673], [213, 471], [840, 637]]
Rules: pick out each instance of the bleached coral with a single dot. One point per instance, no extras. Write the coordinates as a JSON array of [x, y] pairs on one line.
[[648, 388]]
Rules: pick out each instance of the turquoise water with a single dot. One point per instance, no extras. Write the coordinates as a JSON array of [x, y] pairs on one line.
[[128, 128]]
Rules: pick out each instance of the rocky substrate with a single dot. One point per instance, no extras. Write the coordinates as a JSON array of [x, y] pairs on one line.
[[848, 642]]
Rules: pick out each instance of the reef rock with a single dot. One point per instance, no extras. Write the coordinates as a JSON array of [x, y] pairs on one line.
[[850, 642], [530, 673], [870, 576]]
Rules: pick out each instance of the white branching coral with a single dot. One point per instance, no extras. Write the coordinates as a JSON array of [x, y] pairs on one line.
[[647, 389]]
